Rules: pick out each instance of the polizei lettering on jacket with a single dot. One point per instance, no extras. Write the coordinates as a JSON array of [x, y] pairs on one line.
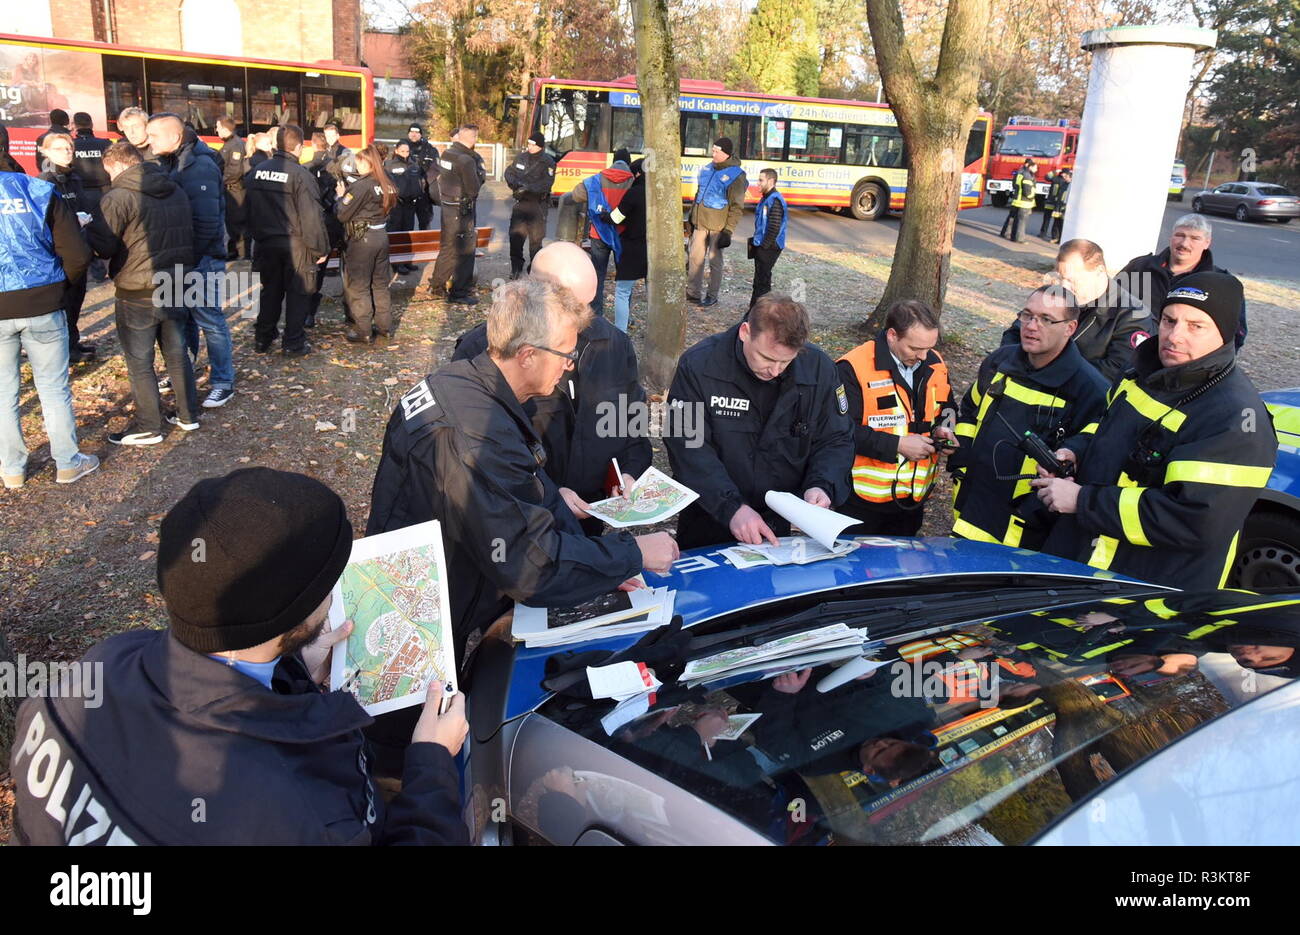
[[728, 405], [51, 778], [270, 175]]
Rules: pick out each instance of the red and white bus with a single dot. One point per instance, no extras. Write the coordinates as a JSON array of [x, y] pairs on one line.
[[40, 75], [845, 155]]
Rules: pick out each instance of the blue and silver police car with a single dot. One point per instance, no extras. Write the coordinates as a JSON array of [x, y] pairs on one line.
[[1269, 552]]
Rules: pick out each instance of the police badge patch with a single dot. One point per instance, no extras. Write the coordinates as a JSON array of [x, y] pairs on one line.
[[347, 199], [843, 398]]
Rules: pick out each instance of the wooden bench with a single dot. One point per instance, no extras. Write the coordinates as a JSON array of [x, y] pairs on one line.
[[419, 246]]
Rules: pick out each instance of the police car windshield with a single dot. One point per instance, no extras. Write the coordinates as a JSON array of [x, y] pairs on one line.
[[1017, 142], [979, 733]]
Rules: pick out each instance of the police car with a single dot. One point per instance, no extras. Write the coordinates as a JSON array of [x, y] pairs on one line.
[[1269, 552], [974, 694]]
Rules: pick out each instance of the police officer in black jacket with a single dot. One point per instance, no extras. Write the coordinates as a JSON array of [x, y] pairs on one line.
[[58, 162], [423, 155], [408, 178], [362, 208], [460, 449], [459, 180], [232, 179], [530, 178], [287, 225], [581, 422], [218, 730], [774, 418], [89, 161]]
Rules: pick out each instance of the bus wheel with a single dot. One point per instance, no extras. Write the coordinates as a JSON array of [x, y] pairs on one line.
[[1000, 199], [870, 202]]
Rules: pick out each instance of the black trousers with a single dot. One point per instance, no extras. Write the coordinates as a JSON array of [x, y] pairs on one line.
[[1045, 228], [74, 296], [423, 214], [764, 260], [1016, 226], [235, 219], [402, 217], [365, 283], [455, 253], [139, 327], [882, 519], [527, 220], [281, 288], [1057, 224]]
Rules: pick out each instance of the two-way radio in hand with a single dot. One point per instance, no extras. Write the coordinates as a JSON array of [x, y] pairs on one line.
[[1033, 447]]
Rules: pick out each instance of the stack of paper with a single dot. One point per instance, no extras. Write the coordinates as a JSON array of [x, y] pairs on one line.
[[793, 550], [614, 614], [797, 651]]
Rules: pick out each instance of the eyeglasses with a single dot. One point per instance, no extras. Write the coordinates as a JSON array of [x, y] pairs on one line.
[[1027, 317], [571, 357]]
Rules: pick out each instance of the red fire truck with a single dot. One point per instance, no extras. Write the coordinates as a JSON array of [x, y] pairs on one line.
[[1053, 144]]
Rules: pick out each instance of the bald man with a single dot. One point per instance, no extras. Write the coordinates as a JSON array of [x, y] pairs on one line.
[[598, 411]]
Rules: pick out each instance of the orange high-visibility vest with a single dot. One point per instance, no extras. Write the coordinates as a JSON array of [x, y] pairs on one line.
[[886, 481]]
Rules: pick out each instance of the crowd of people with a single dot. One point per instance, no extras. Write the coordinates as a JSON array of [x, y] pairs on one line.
[[1157, 444]]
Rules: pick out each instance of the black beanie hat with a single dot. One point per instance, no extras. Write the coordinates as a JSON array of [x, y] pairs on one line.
[[273, 545], [415, 126], [537, 138], [622, 155], [1218, 295], [724, 143]]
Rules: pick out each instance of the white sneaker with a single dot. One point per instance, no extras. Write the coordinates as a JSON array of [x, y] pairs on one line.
[[187, 426], [218, 397], [83, 464], [135, 438]]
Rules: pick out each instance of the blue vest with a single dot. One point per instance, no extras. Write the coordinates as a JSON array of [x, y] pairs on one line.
[[713, 185], [760, 218], [600, 220], [24, 202]]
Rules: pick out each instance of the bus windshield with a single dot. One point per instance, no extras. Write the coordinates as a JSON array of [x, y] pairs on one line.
[[1018, 142]]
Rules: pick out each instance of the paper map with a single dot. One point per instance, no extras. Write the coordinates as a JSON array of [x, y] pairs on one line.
[[653, 498], [394, 592]]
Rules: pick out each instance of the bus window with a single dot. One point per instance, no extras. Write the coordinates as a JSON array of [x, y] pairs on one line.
[[198, 94], [627, 132], [771, 142], [576, 118], [814, 141], [331, 97], [697, 134], [123, 86], [975, 143], [700, 130], [272, 98], [874, 146]]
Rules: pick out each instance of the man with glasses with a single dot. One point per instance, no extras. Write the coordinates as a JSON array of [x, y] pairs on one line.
[[1043, 386], [461, 449]]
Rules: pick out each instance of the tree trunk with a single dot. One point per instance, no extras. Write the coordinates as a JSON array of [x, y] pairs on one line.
[[666, 276], [8, 710], [935, 117]]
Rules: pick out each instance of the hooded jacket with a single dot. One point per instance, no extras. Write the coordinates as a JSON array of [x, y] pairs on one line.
[[614, 183], [144, 226], [1173, 469], [185, 750], [197, 168]]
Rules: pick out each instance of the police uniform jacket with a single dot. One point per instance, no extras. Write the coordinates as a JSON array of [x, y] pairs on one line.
[[531, 176], [184, 749], [804, 441], [1110, 328], [1174, 467], [459, 179], [579, 423], [460, 449], [284, 210], [89, 160], [232, 162], [362, 201], [1056, 402], [406, 177]]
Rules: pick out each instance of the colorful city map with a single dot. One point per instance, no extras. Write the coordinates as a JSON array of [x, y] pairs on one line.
[[393, 590]]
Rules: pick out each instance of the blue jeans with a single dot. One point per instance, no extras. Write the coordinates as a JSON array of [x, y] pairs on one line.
[[215, 328], [623, 303], [600, 253], [46, 340]]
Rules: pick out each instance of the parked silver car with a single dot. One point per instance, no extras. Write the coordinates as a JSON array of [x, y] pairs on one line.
[[1248, 201]]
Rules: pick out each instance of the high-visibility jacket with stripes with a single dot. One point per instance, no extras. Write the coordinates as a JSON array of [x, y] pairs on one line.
[[1169, 477], [883, 409], [1057, 402], [1022, 189]]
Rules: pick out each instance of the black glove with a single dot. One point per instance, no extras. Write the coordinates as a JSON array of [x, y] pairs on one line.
[[724, 240]]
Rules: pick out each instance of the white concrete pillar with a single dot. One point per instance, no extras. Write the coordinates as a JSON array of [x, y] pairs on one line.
[[1131, 118]]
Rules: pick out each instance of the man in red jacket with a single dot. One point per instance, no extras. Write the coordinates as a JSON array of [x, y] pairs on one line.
[[600, 195]]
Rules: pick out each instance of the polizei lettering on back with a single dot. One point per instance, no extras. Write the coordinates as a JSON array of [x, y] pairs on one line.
[[268, 175]]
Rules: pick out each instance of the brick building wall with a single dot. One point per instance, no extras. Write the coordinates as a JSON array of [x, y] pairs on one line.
[[297, 30]]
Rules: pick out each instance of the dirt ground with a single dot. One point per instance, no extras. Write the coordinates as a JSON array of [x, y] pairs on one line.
[[78, 561]]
